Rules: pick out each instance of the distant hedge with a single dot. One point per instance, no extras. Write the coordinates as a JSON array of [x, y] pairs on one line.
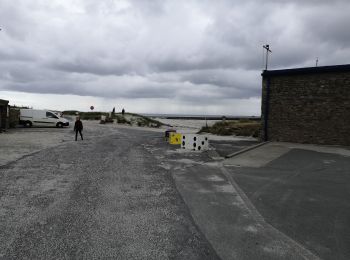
[[86, 115]]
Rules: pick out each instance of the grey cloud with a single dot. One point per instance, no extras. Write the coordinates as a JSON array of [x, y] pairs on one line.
[[42, 88], [96, 68], [230, 83], [192, 51], [328, 27]]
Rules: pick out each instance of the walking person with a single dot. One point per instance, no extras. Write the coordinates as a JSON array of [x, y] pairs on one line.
[[78, 127]]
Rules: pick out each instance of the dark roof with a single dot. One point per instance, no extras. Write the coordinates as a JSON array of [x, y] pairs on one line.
[[4, 102], [308, 70]]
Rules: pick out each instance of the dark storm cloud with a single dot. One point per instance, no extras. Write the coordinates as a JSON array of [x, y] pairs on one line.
[[191, 51], [126, 87], [42, 88], [75, 89]]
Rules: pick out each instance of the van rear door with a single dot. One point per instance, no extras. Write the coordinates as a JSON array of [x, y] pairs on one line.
[[26, 115]]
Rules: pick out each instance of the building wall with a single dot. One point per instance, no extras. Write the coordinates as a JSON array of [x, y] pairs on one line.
[[308, 107], [14, 117], [4, 116]]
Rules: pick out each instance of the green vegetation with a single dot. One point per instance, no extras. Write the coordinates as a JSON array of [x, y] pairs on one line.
[[122, 120], [71, 112], [136, 119], [86, 115], [141, 120], [236, 127]]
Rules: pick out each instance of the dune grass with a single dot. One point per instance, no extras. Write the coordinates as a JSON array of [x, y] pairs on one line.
[[234, 127]]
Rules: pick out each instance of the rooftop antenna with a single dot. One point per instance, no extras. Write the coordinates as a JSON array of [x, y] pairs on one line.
[[316, 61], [267, 48]]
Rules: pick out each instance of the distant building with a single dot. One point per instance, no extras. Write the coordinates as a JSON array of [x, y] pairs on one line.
[[307, 105], [4, 114]]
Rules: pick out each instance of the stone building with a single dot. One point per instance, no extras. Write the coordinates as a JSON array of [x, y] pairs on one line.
[[307, 105], [4, 114]]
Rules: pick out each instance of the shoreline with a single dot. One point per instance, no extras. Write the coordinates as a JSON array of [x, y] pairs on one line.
[[194, 117]]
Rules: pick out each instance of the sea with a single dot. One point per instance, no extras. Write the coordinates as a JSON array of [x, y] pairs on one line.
[[200, 117]]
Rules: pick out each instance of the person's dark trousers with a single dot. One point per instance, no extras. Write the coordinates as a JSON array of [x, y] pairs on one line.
[[76, 135]]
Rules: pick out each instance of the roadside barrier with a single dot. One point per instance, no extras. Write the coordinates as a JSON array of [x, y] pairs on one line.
[[195, 142], [175, 138]]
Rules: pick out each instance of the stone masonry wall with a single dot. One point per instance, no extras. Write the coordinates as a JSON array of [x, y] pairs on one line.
[[308, 108], [14, 117]]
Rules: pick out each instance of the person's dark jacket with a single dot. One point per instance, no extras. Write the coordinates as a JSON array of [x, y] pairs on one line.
[[78, 126]]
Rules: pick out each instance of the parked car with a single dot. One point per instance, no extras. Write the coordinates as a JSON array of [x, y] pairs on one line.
[[32, 117]]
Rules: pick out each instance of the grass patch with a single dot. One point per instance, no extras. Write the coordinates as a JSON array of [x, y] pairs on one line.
[[236, 127], [140, 120], [122, 120]]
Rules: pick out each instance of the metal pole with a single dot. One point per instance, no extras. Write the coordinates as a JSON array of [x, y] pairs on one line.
[[267, 47]]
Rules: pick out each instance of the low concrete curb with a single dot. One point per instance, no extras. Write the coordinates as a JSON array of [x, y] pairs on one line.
[[246, 149]]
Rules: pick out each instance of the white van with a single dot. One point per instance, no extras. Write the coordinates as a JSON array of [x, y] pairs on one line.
[[32, 117]]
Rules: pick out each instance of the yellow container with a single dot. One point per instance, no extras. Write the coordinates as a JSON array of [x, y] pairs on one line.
[[175, 138]]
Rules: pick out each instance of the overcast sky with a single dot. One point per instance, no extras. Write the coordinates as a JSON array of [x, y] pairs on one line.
[[161, 56]]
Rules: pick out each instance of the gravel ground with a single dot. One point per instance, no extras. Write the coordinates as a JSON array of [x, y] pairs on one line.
[[105, 197], [20, 142]]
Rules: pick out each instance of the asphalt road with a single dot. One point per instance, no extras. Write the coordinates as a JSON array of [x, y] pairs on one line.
[[224, 148], [105, 197], [304, 194]]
